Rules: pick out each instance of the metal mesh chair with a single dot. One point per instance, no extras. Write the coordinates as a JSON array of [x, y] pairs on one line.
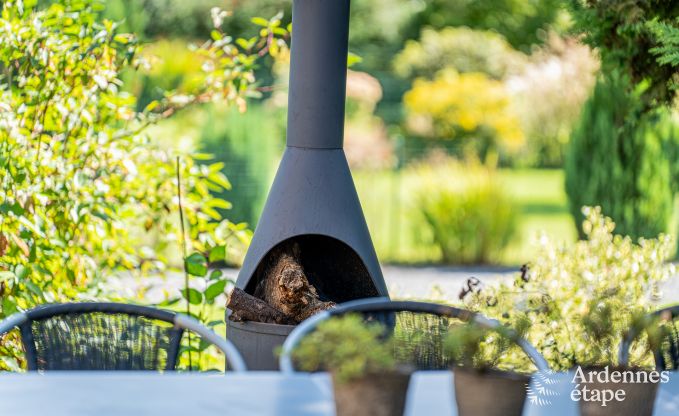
[[667, 353], [108, 336], [419, 328]]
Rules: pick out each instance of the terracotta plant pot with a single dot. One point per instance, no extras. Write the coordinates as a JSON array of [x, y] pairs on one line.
[[380, 394], [489, 393], [638, 400]]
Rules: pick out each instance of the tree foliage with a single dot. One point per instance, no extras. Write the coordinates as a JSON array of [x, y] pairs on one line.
[[85, 191], [463, 49], [630, 36], [519, 21], [618, 156], [616, 159]]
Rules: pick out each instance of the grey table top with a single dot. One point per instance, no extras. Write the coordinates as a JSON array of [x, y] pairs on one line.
[[254, 393]]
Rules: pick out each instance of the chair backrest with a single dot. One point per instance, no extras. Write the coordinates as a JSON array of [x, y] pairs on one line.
[[666, 354], [108, 336], [420, 329]]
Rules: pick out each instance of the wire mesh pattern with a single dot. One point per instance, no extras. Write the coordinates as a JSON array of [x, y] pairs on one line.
[[418, 337], [101, 341], [667, 355]]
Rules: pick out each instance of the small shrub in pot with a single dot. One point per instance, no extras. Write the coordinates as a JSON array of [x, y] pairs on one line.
[[367, 379], [604, 386], [482, 370], [581, 300]]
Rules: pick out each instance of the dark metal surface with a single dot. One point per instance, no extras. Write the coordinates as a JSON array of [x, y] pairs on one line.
[[258, 342], [313, 192], [318, 73]]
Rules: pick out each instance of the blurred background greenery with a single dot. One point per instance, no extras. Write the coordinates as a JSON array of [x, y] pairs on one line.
[[459, 119]]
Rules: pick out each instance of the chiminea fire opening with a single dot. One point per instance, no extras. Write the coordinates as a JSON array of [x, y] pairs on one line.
[[332, 267], [312, 243]]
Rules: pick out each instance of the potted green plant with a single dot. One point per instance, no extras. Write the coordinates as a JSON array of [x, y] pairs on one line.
[[602, 385], [483, 370], [581, 301], [367, 379]]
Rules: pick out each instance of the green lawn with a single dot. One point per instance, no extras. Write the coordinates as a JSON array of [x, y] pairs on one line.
[[544, 209], [400, 237]]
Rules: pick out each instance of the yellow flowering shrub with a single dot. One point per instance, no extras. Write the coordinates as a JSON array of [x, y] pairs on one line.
[[469, 105]]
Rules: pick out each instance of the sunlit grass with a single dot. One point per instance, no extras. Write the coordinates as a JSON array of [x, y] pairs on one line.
[[400, 236]]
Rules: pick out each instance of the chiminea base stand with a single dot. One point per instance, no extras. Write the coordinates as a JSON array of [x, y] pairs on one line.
[[313, 201], [257, 342]]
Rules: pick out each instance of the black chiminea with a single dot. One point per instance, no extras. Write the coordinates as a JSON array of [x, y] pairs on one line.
[[313, 199]]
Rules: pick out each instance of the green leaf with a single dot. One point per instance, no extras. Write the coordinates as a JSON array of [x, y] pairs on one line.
[[33, 255], [215, 289], [5, 276], [219, 203], [220, 179], [202, 156], [122, 38], [196, 265], [8, 306], [353, 59], [217, 254], [33, 288], [203, 345], [193, 296], [242, 43], [215, 323], [216, 274], [21, 271], [151, 106], [260, 21]]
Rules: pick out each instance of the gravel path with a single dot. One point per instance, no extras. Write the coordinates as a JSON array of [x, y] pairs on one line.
[[430, 282]]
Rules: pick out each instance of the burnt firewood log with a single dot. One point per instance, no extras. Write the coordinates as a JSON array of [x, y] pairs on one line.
[[245, 307], [284, 285]]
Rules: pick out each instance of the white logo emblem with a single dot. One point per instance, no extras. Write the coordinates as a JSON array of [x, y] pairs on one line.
[[539, 391]]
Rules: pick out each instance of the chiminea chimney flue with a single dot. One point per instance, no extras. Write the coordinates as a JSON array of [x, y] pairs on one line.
[[318, 73]]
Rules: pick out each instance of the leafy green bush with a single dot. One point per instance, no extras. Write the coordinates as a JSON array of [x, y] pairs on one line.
[[173, 66], [616, 160], [470, 217], [580, 300], [79, 177], [347, 347], [164, 18], [519, 21], [473, 346], [461, 48]]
